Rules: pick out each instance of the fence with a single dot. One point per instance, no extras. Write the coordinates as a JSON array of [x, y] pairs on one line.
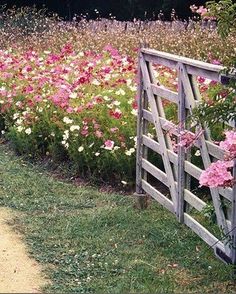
[[179, 169]]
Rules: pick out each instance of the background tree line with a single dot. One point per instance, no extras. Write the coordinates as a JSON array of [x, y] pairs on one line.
[[122, 9]]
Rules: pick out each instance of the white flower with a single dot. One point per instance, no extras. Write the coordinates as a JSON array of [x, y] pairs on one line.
[[67, 120], [106, 98], [134, 112], [124, 183], [81, 148], [15, 115], [130, 151], [81, 54], [97, 154], [66, 135], [73, 95], [128, 82], [19, 121], [96, 82], [117, 103], [91, 145], [107, 77], [1, 102], [198, 153], [120, 92], [73, 128], [133, 88], [20, 129], [28, 131], [116, 148]]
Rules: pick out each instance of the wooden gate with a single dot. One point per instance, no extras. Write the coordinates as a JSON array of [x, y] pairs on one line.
[[178, 170]]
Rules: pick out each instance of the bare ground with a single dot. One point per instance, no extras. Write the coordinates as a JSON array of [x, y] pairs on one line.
[[18, 272]]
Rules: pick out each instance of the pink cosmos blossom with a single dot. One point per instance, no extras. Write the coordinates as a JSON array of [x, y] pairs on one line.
[[98, 134], [115, 113], [109, 144], [114, 130]]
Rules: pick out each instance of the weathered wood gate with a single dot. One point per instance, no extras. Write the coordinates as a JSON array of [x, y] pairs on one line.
[[178, 168]]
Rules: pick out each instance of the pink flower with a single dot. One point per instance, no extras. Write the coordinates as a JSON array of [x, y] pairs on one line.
[[229, 144], [201, 10], [114, 130], [109, 144], [217, 175], [98, 134], [116, 113]]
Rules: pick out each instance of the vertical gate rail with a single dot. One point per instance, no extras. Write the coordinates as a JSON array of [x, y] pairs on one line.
[[178, 167]]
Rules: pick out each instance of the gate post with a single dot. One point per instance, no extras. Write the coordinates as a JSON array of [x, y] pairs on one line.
[[141, 150], [181, 151]]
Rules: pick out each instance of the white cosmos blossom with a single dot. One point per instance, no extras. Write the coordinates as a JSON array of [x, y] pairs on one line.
[[81, 148], [120, 92], [74, 128], [73, 95], [130, 151], [20, 129], [134, 112], [96, 82], [67, 120], [28, 131]]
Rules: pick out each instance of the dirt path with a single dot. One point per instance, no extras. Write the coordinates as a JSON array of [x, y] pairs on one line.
[[18, 272]]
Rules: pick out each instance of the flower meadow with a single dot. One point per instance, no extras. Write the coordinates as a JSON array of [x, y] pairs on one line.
[[68, 90]]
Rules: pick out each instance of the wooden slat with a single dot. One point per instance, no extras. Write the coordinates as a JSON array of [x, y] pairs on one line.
[[194, 201], [160, 61], [165, 93], [190, 100], [203, 233], [183, 60], [162, 199], [154, 171]]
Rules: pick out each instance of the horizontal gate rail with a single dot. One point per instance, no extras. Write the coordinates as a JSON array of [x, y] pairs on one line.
[[178, 169]]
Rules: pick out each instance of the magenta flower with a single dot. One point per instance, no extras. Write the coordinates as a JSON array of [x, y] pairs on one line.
[[109, 144]]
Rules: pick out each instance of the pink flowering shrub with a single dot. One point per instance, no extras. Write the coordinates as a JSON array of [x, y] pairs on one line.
[[219, 173]]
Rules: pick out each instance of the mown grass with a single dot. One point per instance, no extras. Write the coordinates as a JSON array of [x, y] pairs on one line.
[[91, 242]]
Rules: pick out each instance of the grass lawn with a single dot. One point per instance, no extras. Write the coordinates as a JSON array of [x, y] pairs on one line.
[[91, 242]]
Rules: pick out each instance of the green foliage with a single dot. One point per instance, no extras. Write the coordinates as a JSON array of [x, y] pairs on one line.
[[91, 242], [225, 13], [221, 107]]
